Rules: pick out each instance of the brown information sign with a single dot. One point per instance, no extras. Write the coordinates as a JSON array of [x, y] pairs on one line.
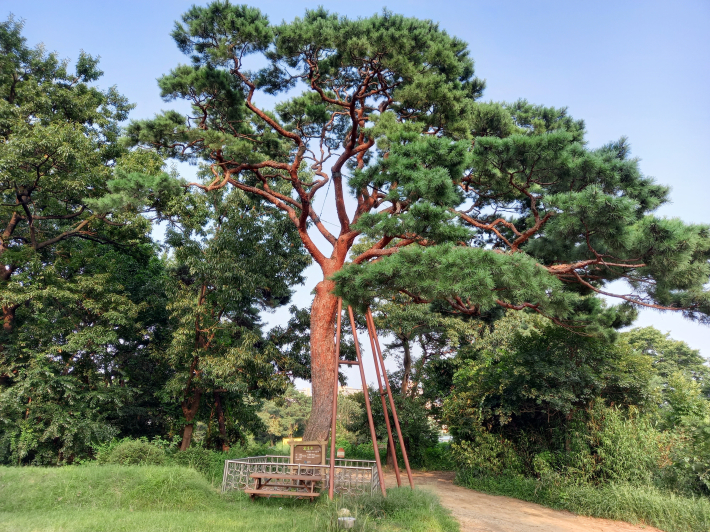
[[308, 452]]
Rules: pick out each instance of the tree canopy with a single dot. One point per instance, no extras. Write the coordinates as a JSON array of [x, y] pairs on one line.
[[499, 249], [59, 139], [475, 204], [229, 263]]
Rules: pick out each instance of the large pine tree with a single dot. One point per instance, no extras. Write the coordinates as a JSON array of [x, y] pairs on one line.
[[478, 205]]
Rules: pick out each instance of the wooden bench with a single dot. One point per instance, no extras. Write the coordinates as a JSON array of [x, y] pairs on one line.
[[304, 486]]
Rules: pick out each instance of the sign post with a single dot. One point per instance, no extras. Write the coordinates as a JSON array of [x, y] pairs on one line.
[[307, 452]]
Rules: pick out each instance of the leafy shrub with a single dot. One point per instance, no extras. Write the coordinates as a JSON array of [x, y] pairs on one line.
[[691, 455], [362, 451], [438, 458], [136, 452], [486, 453], [197, 458], [598, 445], [628, 448]]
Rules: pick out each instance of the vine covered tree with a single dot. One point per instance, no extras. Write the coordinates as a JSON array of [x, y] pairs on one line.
[[476, 204]]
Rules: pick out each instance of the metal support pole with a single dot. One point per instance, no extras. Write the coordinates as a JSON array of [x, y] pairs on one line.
[[390, 441], [331, 478], [389, 393], [367, 404]]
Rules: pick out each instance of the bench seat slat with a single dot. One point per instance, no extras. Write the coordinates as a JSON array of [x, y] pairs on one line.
[[276, 493], [281, 476], [279, 485]]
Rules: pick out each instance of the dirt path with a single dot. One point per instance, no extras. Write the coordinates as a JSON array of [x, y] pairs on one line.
[[479, 512]]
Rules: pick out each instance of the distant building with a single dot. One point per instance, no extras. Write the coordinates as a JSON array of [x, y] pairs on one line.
[[345, 390]]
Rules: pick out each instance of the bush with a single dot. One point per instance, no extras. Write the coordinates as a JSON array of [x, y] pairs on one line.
[[691, 455], [486, 453], [362, 451], [628, 448], [598, 445], [438, 458], [135, 452], [197, 458]]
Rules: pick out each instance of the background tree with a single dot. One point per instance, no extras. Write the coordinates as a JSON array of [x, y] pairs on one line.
[[418, 327], [668, 355], [59, 136], [285, 416], [78, 284], [419, 429], [75, 367], [532, 398], [232, 256], [527, 370]]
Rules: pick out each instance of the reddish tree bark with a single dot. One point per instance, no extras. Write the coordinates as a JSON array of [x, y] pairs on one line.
[[189, 409], [8, 319], [323, 361], [222, 445]]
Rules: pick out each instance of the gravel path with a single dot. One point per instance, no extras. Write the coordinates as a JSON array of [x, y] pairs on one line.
[[480, 512]]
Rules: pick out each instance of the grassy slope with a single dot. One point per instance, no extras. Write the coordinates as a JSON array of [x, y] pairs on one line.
[[633, 504], [147, 498]]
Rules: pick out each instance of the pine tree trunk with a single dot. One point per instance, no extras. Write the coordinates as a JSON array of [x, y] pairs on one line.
[[221, 422], [189, 410], [323, 361]]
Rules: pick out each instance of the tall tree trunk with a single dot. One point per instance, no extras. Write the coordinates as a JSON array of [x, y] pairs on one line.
[[221, 421], [390, 459], [323, 361], [568, 446], [190, 406], [8, 318], [407, 363]]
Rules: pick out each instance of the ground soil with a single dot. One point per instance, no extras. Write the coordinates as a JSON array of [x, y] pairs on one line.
[[480, 512]]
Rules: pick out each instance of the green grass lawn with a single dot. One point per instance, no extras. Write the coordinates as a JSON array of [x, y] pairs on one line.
[[152, 498]]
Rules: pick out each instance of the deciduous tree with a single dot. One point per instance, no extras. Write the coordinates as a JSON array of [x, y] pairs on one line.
[[232, 257], [58, 142]]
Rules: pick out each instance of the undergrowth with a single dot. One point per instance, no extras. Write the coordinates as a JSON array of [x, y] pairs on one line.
[[162, 452]]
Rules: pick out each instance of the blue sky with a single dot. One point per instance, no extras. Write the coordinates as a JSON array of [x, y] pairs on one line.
[[634, 68]]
